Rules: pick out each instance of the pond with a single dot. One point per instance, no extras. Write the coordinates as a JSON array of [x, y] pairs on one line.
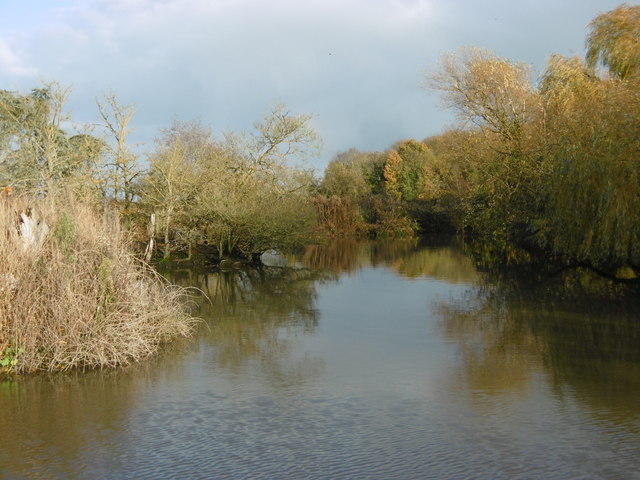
[[358, 360]]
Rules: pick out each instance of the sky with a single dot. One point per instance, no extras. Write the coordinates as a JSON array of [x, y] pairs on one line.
[[356, 66]]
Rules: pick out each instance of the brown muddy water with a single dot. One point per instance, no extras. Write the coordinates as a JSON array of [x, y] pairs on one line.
[[358, 361]]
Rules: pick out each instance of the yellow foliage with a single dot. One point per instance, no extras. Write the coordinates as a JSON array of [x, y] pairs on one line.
[[614, 41], [392, 168]]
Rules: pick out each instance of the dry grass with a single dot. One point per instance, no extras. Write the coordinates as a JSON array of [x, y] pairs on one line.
[[81, 300]]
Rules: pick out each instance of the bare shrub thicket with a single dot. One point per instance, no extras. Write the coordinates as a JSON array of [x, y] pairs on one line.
[[77, 297], [339, 216]]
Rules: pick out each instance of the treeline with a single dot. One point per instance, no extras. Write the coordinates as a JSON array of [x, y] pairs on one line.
[[550, 165], [240, 195], [236, 195]]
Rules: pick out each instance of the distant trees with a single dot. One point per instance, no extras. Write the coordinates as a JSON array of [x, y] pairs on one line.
[[346, 175], [345, 187], [406, 171], [242, 194], [551, 165], [377, 193]]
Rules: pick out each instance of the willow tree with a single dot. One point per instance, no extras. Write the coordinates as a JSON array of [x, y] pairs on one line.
[[594, 191], [496, 98], [614, 41]]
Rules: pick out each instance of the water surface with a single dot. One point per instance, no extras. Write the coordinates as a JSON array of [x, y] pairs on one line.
[[383, 360]]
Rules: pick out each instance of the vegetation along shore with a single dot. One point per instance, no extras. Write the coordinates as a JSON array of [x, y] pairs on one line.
[[544, 167]]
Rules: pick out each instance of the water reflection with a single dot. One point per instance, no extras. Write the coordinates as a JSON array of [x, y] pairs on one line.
[[346, 255], [581, 330], [359, 360], [254, 316], [50, 425], [437, 257]]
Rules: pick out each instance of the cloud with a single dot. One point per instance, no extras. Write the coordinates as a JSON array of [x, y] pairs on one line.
[[226, 62], [356, 64], [11, 63]]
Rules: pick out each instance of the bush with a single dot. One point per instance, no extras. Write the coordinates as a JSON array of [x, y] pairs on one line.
[[76, 297], [340, 216]]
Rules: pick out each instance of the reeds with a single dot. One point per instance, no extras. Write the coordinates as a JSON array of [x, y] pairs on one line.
[[78, 298]]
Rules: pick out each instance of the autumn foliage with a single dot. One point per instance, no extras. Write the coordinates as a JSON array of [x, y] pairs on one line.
[[549, 164]]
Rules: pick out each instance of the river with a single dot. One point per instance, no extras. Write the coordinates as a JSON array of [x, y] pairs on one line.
[[395, 360]]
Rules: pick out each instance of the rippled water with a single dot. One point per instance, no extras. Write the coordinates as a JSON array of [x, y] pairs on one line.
[[364, 361]]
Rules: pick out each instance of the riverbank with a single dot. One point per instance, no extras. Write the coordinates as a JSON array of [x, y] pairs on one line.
[[73, 296]]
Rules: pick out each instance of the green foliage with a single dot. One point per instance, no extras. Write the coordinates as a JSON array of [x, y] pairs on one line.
[[345, 176], [365, 191], [406, 170], [391, 218], [374, 173], [9, 357]]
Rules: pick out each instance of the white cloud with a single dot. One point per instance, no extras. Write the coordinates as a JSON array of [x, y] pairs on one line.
[[11, 63]]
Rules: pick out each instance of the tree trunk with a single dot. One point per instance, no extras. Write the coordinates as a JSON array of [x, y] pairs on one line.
[[151, 230], [167, 245]]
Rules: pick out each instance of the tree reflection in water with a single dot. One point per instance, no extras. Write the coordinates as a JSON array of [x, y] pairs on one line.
[[341, 256], [435, 257], [52, 424], [582, 330], [252, 316]]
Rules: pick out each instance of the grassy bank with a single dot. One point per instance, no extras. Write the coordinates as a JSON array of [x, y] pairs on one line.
[[72, 295]]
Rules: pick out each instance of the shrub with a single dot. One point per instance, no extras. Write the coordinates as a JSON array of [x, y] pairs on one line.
[[340, 216], [78, 298]]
